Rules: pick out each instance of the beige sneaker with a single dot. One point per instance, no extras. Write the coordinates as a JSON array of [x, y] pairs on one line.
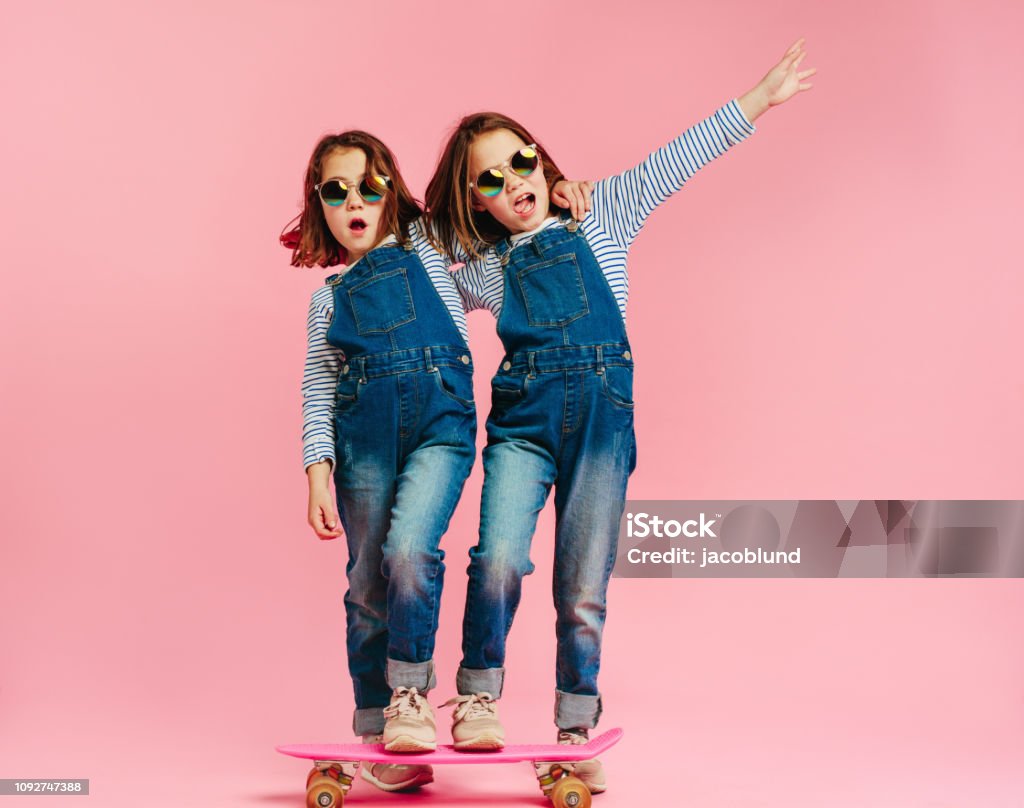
[[394, 776], [475, 724], [591, 772], [410, 723]]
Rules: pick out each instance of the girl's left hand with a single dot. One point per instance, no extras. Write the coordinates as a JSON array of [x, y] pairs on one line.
[[573, 195], [783, 81]]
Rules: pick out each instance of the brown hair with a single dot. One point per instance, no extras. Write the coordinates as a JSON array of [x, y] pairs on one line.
[[311, 240], [450, 217]]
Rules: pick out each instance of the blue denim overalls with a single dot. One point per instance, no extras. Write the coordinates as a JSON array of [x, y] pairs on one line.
[[562, 415], [405, 430]]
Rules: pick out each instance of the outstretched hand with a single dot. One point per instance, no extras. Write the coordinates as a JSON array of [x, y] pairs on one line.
[[780, 84], [783, 81]]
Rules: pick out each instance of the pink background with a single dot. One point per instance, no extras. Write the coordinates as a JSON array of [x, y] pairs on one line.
[[832, 310]]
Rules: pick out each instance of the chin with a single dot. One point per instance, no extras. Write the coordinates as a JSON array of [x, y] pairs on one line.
[[535, 221], [515, 225]]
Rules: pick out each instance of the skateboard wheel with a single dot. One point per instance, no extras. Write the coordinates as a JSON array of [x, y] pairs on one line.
[[323, 792], [569, 792]]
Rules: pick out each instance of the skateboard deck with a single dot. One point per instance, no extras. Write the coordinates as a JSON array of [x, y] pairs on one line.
[[446, 753], [328, 783]]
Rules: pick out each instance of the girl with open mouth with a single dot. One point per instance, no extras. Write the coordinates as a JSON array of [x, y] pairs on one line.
[[385, 330], [562, 400]]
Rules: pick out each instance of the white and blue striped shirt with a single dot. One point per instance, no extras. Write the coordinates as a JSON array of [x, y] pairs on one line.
[[619, 207], [324, 361]]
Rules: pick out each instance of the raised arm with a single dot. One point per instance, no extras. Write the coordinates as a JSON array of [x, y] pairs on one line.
[[624, 201], [779, 84]]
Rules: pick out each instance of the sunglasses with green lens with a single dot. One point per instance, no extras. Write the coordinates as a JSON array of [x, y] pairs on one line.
[[523, 163], [371, 189]]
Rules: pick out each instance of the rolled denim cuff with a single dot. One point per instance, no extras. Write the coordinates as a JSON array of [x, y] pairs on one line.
[[368, 721], [411, 674], [480, 680], [573, 710]]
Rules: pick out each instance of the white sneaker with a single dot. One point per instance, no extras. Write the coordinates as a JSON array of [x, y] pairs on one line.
[[410, 723], [475, 724], [395, 776]]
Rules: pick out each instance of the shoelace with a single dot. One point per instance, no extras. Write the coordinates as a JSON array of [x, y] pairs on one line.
[[407, 704], [479, 705], [572, 738]]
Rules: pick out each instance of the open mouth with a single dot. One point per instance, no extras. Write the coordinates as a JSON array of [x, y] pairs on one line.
[[524, 204], [357, 226]]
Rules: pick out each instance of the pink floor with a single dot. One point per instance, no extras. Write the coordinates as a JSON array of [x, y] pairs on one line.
[[814, 693], [833, 310]]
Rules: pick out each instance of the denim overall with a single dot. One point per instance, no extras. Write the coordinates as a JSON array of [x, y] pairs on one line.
[[406, 427], [562, 415]]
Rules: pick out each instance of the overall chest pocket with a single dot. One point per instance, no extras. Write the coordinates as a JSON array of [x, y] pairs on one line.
[[553, 292], [382, 303]]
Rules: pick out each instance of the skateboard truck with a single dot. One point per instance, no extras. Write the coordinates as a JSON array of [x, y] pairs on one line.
[[562, 787], [327, 783]]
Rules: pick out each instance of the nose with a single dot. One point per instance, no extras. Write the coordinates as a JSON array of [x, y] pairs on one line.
[[354, 201], [513, 182]]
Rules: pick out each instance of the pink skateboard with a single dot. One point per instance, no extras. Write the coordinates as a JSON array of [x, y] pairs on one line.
[[327, 784]]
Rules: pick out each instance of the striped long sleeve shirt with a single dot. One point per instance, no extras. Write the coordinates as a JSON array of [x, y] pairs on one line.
[[324, 361], [620, 205]]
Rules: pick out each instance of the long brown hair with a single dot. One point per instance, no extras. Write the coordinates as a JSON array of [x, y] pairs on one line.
[[450, 216], [311, 240]]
